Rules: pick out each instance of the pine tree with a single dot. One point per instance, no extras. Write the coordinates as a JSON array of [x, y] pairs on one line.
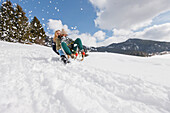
[[14, 26], [0, 23], [48, 41], [7, 19], [22, 28], [28, 35], [37, 31]]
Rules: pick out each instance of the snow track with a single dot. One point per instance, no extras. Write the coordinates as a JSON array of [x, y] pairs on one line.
[[33, 80]]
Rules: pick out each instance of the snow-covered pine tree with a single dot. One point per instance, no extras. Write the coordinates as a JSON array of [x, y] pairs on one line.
[[48, 41], [37, 31], [0, 23], [7, 19], [21, 24], [29, 35]]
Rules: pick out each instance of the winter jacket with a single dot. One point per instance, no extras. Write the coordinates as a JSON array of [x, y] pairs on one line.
[[58, 42]]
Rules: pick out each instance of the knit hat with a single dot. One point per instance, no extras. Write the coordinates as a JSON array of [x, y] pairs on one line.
[[63, 32]]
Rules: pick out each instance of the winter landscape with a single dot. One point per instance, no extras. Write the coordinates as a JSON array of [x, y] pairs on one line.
[[127, 63], [33, 80]]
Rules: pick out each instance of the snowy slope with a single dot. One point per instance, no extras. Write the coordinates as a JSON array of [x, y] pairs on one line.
[[33, 80]]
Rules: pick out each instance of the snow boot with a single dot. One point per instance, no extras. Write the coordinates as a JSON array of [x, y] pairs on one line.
[[64, 59]]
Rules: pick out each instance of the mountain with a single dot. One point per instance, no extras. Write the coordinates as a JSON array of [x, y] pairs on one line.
[[136, 47]]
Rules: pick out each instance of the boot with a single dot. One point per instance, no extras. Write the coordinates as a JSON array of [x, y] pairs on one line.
[[64, 59]]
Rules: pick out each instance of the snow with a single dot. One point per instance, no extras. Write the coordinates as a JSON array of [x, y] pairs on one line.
[[154, 69], [33, 80], [35, 24], [29, 12]]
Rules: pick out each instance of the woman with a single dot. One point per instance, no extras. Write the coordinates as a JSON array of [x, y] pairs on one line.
[[56, 45]]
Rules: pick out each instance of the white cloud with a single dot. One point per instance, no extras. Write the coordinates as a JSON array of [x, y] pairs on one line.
[[122, 32], [156, 32], [127, 14], [100, 35], [86, 39], [99, 3], [111, 40], [57, 25]]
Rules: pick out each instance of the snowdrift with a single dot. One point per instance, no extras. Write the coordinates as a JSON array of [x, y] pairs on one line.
[[33, 80]]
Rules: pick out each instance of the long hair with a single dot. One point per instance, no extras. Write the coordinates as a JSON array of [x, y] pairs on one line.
[[55, 36]]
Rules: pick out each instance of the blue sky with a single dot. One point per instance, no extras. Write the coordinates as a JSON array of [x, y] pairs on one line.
[[102, 22], [78, 13]]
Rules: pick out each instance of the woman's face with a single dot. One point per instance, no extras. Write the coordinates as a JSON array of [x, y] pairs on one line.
[[58, 33]]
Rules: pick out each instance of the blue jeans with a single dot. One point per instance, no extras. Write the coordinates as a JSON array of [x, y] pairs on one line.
[[60, 52]]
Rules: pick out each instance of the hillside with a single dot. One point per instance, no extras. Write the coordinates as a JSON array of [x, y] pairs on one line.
[[137, 47], [33, 80]]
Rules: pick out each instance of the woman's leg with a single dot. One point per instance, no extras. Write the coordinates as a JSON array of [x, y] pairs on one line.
[[61, 53], [79, 44], [65, 48]]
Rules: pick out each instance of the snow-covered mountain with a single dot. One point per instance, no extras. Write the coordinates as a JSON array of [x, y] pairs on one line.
[[33, 80], [136, 47]]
